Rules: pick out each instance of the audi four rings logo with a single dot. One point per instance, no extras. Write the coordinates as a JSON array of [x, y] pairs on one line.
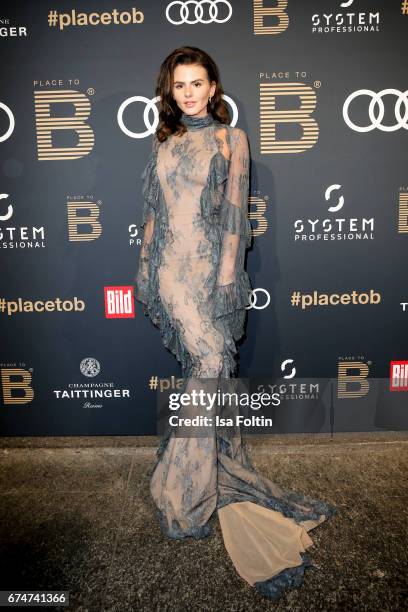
[[253, 299], [198, 12], [151, 106], [376, 99], [12, 122]]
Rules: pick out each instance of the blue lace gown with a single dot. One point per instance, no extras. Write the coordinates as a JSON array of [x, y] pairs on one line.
[[192, 284]]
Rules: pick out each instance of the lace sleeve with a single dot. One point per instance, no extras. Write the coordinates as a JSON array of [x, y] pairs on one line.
[[233, 285], [234, 208], [150, 193]]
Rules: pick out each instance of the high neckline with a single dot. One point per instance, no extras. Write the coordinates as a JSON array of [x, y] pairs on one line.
[[196, 123]]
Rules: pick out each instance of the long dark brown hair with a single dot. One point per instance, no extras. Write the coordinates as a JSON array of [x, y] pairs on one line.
[[170, 113]]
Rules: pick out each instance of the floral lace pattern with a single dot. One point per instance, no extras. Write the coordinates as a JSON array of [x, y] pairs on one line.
[[192, 284]]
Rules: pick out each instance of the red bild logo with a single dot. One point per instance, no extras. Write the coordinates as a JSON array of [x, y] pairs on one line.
[[119, 302], [399, 376]]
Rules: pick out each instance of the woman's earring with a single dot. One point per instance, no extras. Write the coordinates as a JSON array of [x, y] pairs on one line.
[[209, 100]]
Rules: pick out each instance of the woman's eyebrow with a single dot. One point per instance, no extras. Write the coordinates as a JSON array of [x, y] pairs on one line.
[[191, 81]]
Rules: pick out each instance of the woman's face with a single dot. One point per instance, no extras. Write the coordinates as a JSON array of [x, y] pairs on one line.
[[191, 89]]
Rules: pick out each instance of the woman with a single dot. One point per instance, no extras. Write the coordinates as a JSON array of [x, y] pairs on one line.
[[192, 283]]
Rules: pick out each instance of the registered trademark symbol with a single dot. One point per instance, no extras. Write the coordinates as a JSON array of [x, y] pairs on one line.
[[90, 91], [369, 362], [317, 84], [99, 202]]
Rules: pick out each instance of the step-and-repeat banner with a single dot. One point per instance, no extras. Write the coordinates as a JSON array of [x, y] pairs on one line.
[[320, 87]]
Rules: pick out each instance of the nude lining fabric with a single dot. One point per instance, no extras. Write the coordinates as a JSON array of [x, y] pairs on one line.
[[193, 285], [262, 542]]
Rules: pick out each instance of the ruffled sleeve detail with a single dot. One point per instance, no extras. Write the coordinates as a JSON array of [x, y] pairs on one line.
[[231, 302], [150, 186], [150, 192], [231, 292], [234, 220]]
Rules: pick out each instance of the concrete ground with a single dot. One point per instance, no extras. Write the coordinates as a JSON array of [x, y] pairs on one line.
[[76, 515]]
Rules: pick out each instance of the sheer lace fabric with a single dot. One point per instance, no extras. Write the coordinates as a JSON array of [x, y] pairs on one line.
[[192, 284]]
